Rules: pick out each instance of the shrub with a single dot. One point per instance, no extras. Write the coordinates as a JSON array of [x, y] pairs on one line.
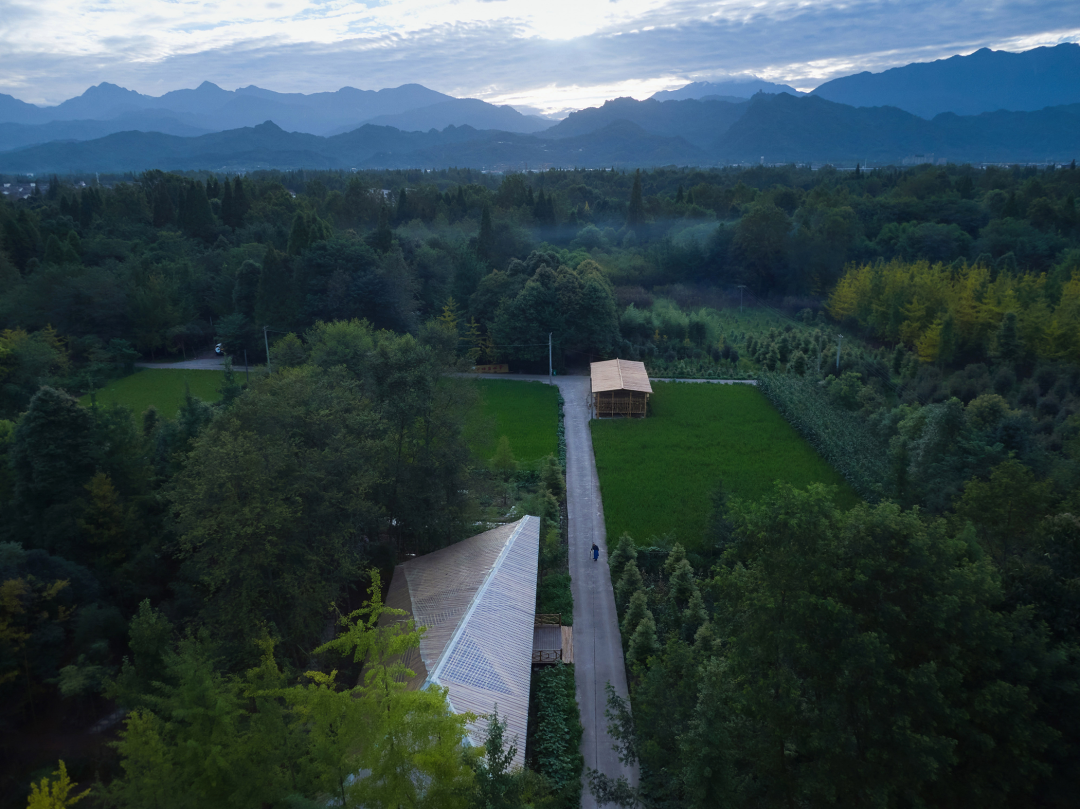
[[643, 643], [555, 596], [557, 735], [629, 582]]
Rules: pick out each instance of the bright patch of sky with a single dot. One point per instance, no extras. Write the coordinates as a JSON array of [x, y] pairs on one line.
[[553, 56]]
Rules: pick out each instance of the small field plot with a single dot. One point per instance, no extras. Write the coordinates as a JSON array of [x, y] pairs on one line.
[[657, 474], [527, 413], [162, 388]]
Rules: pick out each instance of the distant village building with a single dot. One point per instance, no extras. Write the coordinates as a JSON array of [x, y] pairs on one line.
[[477, 599], [619, 388]]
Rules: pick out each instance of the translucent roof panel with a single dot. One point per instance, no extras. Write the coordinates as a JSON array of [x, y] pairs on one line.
[[443, 584], [488, 660], [477, 600]]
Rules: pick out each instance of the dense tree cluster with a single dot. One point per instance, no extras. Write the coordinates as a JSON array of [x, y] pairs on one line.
[[164, 263], [870, 657], [949, 314], [241, 522]]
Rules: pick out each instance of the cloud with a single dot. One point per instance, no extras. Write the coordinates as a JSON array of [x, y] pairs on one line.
[[553, 56]]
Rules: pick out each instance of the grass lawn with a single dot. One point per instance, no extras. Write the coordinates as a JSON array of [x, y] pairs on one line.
[[161, 387], [527, 413], [657, 474]]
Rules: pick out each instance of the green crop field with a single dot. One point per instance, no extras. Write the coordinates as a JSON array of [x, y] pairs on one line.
[[527, 413], [657, 474], [163, 388]]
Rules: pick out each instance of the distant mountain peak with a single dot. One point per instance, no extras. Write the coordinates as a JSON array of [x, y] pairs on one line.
[[109, 89], [737, 87]]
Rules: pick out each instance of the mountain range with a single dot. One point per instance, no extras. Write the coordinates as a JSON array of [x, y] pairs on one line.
[[768, 128], [699, 122], [107, 108], [990, 106], [985, 81]]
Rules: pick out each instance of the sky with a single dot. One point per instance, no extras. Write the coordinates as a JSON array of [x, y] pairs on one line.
[[546, 55]]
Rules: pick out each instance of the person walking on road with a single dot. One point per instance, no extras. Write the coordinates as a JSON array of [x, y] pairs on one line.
[[595, 552]]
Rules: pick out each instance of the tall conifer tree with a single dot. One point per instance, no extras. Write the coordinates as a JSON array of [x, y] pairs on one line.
[[635, 216], [228, 214], [240, 201], [485, 240]]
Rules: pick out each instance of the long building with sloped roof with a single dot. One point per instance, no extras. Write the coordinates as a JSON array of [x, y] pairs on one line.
[[477, 600]]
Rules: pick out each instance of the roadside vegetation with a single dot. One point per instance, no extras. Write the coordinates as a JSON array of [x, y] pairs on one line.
[[555, 741], [812, 609]]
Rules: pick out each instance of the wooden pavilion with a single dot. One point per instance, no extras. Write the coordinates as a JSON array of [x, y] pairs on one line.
[[619, 388]]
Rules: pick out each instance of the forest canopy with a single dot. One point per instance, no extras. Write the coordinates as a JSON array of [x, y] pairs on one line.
[[919, 327]]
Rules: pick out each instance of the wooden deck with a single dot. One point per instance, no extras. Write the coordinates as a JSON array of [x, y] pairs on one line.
[[552, 643]]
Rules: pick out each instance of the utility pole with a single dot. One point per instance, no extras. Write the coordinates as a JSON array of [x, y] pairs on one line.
[[266, 341], [838, 342], [549, 355], [247, 368], [741, 288]]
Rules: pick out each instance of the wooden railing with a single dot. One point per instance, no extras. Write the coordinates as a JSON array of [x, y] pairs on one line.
[[541, 656], [618, 403]]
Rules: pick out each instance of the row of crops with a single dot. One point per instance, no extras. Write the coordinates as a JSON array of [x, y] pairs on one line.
[[840, 436]]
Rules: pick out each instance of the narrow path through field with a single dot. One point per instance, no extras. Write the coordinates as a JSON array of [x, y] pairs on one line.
[[598, 654], [710, 381]]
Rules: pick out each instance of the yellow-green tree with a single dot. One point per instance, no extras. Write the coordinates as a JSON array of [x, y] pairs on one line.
[[56, 794], [912, 302], [206, 739]]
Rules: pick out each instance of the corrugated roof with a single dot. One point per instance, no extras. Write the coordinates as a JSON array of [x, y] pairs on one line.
[[477, 599], [619, 375]]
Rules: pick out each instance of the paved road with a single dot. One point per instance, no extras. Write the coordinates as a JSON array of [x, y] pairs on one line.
[[213, 364], [598, 654]]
